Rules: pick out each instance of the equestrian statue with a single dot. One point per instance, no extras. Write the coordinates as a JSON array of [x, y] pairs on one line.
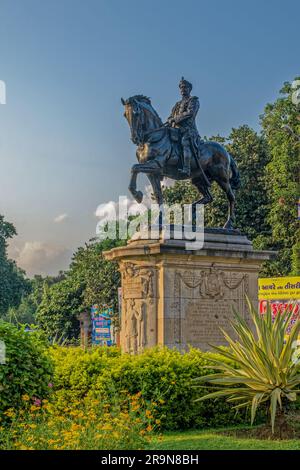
[[175, 150]]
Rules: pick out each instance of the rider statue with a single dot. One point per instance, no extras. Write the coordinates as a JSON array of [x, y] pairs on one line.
[[183, 117]]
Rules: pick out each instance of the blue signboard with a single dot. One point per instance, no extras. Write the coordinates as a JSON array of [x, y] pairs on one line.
[[101, 326]]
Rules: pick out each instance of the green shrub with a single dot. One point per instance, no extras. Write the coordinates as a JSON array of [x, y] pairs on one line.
[[27, 370], [160, 374]]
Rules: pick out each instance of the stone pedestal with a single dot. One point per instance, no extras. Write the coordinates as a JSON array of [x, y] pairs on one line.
[[180, 298]]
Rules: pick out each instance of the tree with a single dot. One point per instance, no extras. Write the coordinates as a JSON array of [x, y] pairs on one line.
[[58, 310], [90, 280], [13, 284], [25, 312], [100, 278], [282, 178]]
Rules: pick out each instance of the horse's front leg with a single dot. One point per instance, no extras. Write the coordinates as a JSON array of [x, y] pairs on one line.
[[138, 195], [148, 168]]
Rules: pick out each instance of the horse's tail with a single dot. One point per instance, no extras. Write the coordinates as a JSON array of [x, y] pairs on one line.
[[235, 180]]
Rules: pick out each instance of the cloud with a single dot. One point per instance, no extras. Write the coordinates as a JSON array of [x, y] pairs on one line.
[[60, 218], [111, 209], [36, 257]]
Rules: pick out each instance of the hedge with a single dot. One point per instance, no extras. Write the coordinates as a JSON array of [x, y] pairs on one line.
[[162, 375], [27, 370]]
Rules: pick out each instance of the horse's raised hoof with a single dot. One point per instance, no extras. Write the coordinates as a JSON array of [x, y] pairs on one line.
[[138, 196]]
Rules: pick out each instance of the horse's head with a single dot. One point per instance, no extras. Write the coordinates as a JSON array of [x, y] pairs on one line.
[[141, 117]]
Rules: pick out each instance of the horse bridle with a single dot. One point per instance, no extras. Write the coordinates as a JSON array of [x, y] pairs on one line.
[[137, 127], [141, 134]]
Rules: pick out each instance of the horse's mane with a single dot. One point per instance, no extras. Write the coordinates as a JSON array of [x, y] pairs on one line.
[[142, 98], [147, 103]]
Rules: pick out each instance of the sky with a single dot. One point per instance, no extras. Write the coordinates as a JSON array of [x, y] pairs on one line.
[[64, 144]]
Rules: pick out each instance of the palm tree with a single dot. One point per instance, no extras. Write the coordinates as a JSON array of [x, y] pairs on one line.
[[266, 364]]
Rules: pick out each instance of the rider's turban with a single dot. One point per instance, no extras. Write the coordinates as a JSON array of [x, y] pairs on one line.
[[186, 83]]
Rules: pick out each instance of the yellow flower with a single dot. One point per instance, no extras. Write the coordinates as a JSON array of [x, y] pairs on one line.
[[32, 426], [149, 428], [149, 414], [34, 408], [52, 441], [10, 413], [105, 427], [25, 397], [75, 426]]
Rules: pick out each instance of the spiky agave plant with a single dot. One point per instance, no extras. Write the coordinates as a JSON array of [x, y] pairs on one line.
[[266, 367]]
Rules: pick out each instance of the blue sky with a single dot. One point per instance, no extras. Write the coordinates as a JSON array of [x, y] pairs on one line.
[[64, 144]]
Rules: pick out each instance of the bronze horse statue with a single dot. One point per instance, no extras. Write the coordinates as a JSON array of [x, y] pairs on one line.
[[159, 155]]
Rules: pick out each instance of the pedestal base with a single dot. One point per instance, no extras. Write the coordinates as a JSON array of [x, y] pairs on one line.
[[180, 298]]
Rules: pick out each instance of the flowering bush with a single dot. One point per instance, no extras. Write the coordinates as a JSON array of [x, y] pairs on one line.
[[161, 375], [87, 424], [27, 369]]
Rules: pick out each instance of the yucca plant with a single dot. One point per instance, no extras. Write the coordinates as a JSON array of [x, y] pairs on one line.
[[266, 368]]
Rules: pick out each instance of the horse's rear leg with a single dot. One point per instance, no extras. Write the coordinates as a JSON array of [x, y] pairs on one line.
[[204, 190], [156, 186], [225, 185]]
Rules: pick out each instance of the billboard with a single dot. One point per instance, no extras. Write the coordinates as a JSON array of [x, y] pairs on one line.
[[101, 326], [282, 293], [279, 288]]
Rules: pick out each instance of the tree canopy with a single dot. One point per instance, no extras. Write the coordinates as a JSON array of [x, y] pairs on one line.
[[90, 280], [13, 285]]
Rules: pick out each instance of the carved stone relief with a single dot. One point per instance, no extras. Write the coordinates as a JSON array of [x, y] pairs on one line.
[[138, 307]]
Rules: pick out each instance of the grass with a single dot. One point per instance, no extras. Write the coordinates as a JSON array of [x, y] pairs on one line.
[[212, 440]]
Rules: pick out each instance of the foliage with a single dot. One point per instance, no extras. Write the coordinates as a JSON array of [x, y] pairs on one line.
[[85, 425], [13, 284], [282, 178], [163, 376], [25, 312], [267, 371], [251, 154], [27, 369], [90, 280], [296, 259], [57, 313], [100, 278]]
